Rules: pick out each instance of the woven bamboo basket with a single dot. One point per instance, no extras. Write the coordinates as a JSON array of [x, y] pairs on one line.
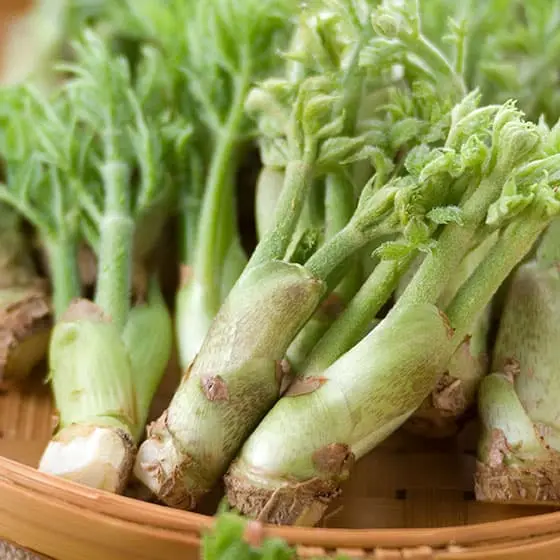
[[409, 499]]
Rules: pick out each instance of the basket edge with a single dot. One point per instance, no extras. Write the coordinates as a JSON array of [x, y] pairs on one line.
[[48, 490]]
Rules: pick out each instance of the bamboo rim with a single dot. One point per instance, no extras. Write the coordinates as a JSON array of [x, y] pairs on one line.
[[186, 525]]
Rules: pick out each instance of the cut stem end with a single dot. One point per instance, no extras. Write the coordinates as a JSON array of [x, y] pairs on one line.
[[25, 326], [163, 468], [536, 482], [94, 456], [280, 502]]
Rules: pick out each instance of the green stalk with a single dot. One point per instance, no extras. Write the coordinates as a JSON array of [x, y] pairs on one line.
[[339, 203], [355, 321], [297, 183], [233, 258], [190, 205], [343, 245], [198, 299], [235, 261], [308, 234], [437, 269], [116, 244], [149, 355], [216, 193], [268, 189], [514, 243], [217, 258], [271, 180], [63, 260], [339, 207], [440, 415]]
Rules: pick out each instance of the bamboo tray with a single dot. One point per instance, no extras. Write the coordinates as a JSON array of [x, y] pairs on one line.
[[410, 498]]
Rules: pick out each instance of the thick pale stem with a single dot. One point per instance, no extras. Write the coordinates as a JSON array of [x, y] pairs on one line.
[[94, 394], [192, 186], [148, 337], [289, 476], [231, 257], [441, 413], [501, 411], [339, 203], [199, 297], [234, 380], [193, 317], [514, 464], [339, 207], [527, 342], [519, 459]]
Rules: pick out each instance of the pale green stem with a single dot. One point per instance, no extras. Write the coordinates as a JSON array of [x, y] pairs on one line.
[[548, 252], [358, 316], [434, 274], [515, 242], [216, 194], [344, 244], [339, 207], [63, 259], [297, 183], [193, 186], [339, 203], [500, 409], [116, 243], [269, 187]]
